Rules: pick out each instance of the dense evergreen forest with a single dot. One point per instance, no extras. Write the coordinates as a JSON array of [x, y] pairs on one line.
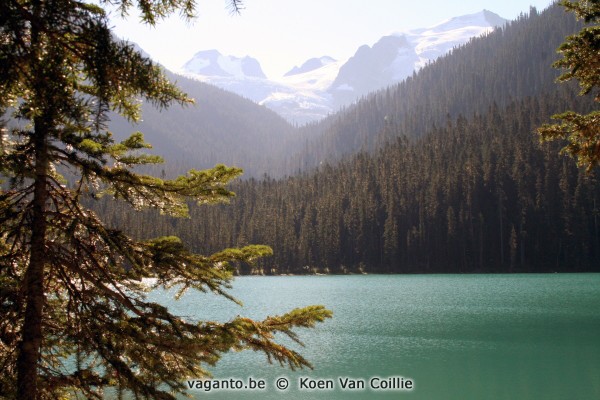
[[475, 195], [449, 177]]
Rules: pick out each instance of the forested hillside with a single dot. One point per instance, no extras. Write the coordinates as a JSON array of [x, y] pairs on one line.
[[452, 177]]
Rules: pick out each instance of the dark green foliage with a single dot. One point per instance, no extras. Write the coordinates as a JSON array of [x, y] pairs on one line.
[[581, 59], [71, 287]]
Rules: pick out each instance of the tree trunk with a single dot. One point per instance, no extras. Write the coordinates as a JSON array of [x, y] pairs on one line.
[[30, 347]]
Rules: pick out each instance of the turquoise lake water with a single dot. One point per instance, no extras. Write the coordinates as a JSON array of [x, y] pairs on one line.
[[454, 336]]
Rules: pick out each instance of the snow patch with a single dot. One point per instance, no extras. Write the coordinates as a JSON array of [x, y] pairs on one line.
[[231, 65], [197, 64], [345, 87]]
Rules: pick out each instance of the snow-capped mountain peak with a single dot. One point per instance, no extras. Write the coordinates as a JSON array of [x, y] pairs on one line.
[[395, 57], [213, 63], [483, 18]]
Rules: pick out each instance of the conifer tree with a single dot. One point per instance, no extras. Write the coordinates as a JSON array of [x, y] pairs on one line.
[[581, 57], [75, 319]]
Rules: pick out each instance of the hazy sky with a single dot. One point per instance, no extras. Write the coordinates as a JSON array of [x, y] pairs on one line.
[[285, 33]]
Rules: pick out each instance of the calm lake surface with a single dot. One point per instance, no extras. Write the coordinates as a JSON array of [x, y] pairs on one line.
[[455, 336]]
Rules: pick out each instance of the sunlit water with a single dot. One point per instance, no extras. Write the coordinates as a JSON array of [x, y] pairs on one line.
[[453, 336]]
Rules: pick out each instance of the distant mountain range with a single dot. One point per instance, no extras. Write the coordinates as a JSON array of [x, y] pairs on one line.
[[322, 85]]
